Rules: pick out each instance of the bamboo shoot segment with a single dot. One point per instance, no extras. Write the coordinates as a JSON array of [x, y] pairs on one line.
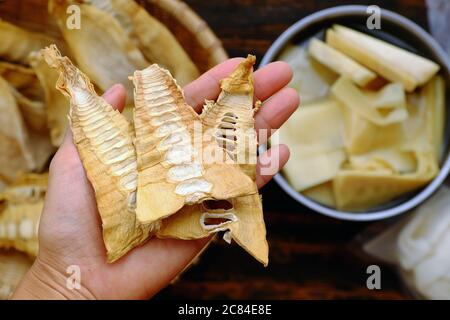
[[185, 224], [176, 165], [153, 38], [104, 141], [29, 187], [322, 194], [317, 152], [304, 172], [373, 107], [13, 267], [230, 119], [14, 141], [19, 219], [33, 111], [250, 230], [389, 61], [340, 63], [17, 43], [392, 160], [35, 128], [240, 217], [362, 189], [434, 95], [19, 223], [56, 104], [18, 76], [100, 33], [302, 129], [373, 137], [311, 79]]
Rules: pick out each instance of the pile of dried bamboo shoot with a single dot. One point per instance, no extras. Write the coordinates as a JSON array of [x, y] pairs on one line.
[[114, 38]]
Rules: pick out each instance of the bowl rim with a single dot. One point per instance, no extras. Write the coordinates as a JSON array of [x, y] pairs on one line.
[[428, 41]]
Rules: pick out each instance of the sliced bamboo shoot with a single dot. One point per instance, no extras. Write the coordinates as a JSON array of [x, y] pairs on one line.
[[368, 105], [340, 63], [389, 61], [362, 189]]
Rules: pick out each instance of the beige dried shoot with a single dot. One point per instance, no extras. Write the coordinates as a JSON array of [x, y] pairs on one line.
[[100, 46], [175, 162], [16, 43], [104, 141], [163, 168], [13, 266], [14, 140], [231, 123], [21, 207], [153, 38]]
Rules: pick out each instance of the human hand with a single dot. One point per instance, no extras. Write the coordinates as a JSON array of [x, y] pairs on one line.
[[70, 229]]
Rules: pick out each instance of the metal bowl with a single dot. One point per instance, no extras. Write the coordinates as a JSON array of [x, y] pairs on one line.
[[395, 29]]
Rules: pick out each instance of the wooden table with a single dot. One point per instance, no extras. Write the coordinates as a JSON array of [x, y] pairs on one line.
[[311, 256]]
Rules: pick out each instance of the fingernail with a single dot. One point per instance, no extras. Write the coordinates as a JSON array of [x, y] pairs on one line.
[[110, 91]]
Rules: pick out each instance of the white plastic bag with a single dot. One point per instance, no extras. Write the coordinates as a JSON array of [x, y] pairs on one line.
[[420, 247]]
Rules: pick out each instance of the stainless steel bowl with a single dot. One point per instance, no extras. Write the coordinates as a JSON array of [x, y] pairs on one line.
[[399, 31]]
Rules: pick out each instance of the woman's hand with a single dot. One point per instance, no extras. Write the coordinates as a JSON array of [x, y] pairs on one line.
[[70, 231]]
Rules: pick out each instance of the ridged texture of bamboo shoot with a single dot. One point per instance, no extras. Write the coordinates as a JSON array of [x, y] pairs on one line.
[[174, 162], [104, 141], [231, 121]]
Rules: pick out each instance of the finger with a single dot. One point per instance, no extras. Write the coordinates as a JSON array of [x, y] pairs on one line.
[[276, 111], [152, 266], [271, 78], [207, 86], [115, 96], [267, 81], [270, 163]]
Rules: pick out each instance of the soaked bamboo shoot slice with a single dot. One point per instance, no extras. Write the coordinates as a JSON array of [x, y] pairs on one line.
[[434, 95], [389, 61], [340, 63], [302, 129], [322, 194], [367, 105], [304, 172], [362, 189]]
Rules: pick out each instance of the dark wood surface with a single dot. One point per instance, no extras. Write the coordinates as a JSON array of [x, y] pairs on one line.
[[311, 256]]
